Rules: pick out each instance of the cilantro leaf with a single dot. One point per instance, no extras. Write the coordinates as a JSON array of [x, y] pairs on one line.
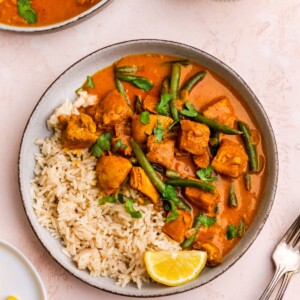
[[121, 198], [120, 144], [173, 215], [133, 213], [102, 144], [104, 141], [89, 83], [190, 111], [139, 82], [145, 117], [159, 131], [231, 232], [162, 108], [142, 83], [205, 174], [206, 220], [96, 150], [169, 193], [110, 199], [26, 11]]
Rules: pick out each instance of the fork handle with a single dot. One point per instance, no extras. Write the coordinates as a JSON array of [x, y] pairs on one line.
[[271, 286], [286, 279]]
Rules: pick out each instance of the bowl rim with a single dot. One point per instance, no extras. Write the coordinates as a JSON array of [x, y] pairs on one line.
[[260, 107], [60, 25]]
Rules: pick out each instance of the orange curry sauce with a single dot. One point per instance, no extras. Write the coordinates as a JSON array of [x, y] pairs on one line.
[[48, 11], [154, 68]]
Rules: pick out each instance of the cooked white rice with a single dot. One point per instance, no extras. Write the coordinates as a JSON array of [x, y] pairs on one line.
[[103, 239]]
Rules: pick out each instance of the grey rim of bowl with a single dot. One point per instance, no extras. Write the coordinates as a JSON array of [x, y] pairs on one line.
[[61, 25], [260, 107]]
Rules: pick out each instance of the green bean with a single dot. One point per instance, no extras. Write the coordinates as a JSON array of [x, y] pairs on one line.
[[216, 126], [191, 183], [193, 81], [247, 179], [174, 88], [232, 199], [154, 178], [138, 105], [165, 87], [241, 229], [127, 69], [172, 174], [158, 168], [189, 241], [250, 147], [121, 89]]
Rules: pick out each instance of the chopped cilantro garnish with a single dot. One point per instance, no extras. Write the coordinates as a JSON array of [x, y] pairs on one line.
[[169, 193], [190, 111], [205, 174], [89, 83], [119, 144], [231, 232], [206, 220], [163, 108], [145, 117], [26, 11], [121, 198], [159, 131], [133, 213], [173, 215], [102, 144], [110, 199]]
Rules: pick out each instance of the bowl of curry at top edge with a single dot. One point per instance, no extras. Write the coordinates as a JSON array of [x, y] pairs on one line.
[[170, 140], [30, 16]]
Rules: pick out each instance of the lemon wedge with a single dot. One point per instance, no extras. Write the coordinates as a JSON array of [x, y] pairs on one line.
[[174, 267]]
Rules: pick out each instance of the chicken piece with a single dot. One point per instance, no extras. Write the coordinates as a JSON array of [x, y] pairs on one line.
[[231, 159], [194, 137], [221, 111], [122, 129], [122, 145], [202, 161], [150, 104], [204, 200], [111, 110], [140, 131], [161, 153], [140, 181], [115, 109], [111, 172], [176, 229], [214, 256], [78, 131]]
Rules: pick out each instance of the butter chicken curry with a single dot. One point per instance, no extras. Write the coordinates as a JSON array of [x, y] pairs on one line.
[[180, 136]]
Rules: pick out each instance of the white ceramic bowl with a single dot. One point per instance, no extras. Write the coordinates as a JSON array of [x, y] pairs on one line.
[[60, 25], [65, 85]]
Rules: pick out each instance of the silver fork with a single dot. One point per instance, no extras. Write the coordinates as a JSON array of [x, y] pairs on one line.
[[286, 258]]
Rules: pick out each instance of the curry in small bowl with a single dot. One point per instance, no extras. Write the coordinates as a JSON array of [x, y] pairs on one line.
[[42, 13]]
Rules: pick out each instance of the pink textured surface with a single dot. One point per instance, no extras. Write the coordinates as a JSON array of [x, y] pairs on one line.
[[258, 39]]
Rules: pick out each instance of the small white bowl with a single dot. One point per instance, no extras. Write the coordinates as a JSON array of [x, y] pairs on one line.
[[18, 277], [58, 26]]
